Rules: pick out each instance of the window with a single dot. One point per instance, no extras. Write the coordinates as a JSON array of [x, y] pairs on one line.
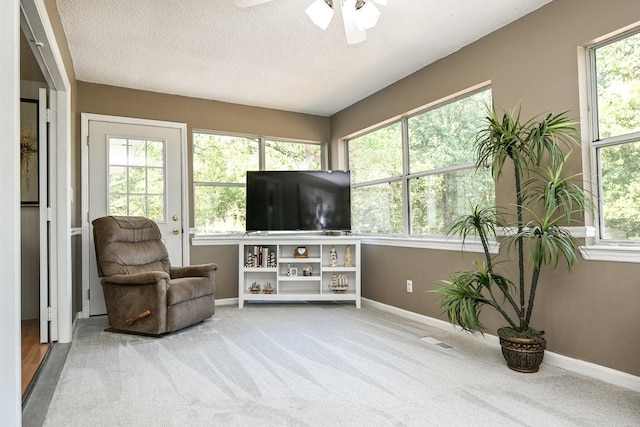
[[615, 116], [136, 178], [375, 161], [285, 155], [418, 181], [220, 163]]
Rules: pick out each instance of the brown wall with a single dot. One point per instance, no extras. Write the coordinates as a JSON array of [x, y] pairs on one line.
[[590, 313], [226, 257]]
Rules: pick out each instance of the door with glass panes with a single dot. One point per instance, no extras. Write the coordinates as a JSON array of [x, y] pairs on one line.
[[135, 169]]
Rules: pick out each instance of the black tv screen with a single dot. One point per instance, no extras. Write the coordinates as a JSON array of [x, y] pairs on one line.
[[298, 201]]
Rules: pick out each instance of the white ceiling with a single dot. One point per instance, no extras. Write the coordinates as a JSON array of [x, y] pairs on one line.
[[270, 55]]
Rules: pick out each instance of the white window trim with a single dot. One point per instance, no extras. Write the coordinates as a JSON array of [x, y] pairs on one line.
[[599, 249], [442, 244], [613, 253], [213, 240]]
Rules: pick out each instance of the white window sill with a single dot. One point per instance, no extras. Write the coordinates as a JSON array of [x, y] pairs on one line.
[[611, 253], [442, 244], [590, 253], [470, 245], [606, 251], [213, 239]]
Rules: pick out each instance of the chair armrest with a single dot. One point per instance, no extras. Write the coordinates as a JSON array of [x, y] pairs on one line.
[[202, 270], [147, 278]]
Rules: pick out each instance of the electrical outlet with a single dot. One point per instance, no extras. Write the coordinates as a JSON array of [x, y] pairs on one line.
[[409, 285]]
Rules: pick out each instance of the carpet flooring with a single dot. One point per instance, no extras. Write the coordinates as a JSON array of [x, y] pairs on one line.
[[320, 364]]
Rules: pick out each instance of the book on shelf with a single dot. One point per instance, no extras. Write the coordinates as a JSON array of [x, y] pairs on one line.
[[261, 256]]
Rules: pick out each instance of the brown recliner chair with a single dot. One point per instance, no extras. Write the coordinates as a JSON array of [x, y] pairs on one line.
[[142, 292]]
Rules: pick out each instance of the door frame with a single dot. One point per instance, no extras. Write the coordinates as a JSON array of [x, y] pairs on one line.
[[48, 328], [84, 155], [35, 23]]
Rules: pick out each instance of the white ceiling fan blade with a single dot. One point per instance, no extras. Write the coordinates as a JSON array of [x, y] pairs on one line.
[[354, 35], [320, 13], [249, 3], [367, 16]]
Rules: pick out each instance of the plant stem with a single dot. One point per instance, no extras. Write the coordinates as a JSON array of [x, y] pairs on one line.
[[506, 316], [520, 243], [485, 247], [532, 294], [505, 292], [501, 310]]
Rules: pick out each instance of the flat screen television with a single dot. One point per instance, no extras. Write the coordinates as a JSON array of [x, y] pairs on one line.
[[298, 201]]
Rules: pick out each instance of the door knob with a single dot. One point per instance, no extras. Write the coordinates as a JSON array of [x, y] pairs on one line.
[[175, 217], [176, 231]]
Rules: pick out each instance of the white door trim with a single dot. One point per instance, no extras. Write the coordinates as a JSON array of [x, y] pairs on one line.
[[84, 154], [10, 210], [43, 217]]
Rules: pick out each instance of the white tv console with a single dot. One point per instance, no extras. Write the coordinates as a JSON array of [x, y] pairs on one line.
[[284, 279]]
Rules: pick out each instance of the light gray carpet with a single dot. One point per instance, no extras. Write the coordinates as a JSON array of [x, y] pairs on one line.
[[317, 365]]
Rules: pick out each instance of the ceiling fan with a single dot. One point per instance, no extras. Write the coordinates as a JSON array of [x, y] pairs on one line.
[[357, 15]]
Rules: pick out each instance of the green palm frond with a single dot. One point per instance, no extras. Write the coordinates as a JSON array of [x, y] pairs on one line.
[[462, 302], [501, 139], [557, 194], [463, 297], [481, 221], [549, 244], [546, 137]]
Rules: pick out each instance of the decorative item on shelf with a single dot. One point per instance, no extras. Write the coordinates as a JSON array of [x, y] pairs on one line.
[[339, 283], [333, 257], [300, 252], [288, 269], [268, 288], [272, 260], [254, 288], [249, 259], [293, 271], [307, 270], [348, 257]]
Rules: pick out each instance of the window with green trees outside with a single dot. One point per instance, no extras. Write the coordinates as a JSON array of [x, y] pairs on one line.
[[615, 98], [418, 181], [220, 164]]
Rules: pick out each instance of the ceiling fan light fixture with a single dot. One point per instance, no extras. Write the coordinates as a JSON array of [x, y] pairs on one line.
[[353, 34], [366, 16], [321, 13]]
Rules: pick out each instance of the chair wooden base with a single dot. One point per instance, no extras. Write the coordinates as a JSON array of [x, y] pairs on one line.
[[122, 331]]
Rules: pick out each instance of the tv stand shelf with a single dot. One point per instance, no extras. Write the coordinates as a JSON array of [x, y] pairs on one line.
[[269, 271]]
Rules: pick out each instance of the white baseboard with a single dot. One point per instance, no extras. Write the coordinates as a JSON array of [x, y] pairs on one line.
[[602, 373], [227, 301]]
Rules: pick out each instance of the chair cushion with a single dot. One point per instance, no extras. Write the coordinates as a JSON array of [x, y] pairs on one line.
[[188, 288], [129, 245]]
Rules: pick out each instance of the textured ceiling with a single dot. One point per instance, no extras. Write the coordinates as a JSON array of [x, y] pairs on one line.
[[270, 55]]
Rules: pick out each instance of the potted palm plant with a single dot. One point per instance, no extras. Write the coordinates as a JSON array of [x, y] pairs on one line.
[[544, 201]]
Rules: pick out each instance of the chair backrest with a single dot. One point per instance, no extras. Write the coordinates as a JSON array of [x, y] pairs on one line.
[[128, 245]]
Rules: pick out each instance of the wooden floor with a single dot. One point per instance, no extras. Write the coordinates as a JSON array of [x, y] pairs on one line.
[[32, 351]]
